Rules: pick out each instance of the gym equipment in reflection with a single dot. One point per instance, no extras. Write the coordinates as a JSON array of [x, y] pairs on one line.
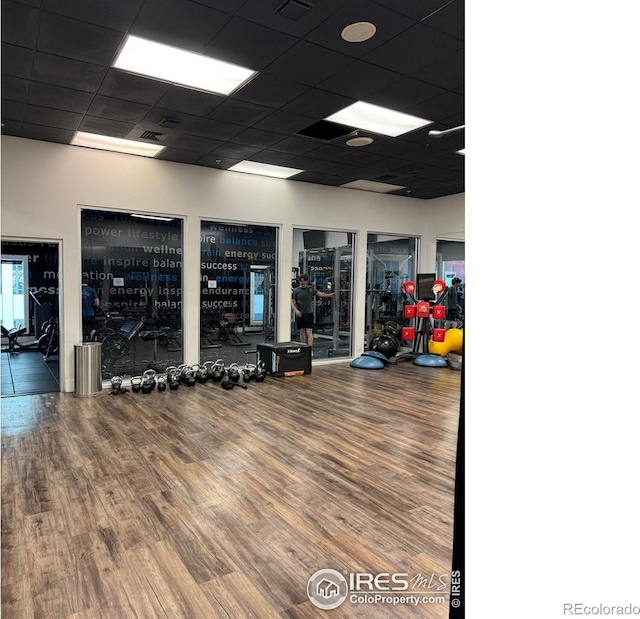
[[217, 328], [329, 270], [259, 301], [47, 336], [386, 273]]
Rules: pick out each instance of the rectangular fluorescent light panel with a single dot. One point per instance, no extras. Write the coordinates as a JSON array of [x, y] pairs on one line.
[[264, 169], [180, 67], [378, 119], [119, 145], [372, 186], [154, 217]]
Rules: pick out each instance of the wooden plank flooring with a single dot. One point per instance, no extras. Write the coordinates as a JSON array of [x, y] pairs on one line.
[[205, 503]]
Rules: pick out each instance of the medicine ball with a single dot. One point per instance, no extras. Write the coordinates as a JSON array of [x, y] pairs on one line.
[[385, 344]]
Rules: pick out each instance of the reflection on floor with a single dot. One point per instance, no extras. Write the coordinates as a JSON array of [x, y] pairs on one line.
[[26, 372]]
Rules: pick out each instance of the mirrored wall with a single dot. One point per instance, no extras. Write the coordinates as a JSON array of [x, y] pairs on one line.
[[326, 257], [134, 265]]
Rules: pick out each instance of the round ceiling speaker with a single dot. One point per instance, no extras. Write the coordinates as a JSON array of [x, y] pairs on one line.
[[358, 32], [359, 141]]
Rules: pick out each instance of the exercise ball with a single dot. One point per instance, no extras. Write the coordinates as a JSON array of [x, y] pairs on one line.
[[385, 344], [367, 363]]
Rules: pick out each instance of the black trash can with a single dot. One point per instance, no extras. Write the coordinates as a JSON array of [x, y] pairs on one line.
[[88, 369]]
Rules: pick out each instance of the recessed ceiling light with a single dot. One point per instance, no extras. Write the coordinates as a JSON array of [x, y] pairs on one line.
[[154, 217], [358, 32], [379, 119], [461, 151], [359, 141], [119, 145], [264, 169], [372, 186], [180, 67]]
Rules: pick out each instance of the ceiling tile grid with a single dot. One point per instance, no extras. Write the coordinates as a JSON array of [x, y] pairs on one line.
[[57, 78]]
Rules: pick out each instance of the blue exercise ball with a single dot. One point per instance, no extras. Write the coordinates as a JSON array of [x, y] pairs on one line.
[[367, 363]]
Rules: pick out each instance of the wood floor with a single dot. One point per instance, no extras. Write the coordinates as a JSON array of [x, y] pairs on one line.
[[203, 503]]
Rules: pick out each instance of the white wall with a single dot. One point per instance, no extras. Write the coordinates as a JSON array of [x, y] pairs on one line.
[[44, 186]]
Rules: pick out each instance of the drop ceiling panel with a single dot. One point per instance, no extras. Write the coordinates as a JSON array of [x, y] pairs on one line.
[[19, 24], [270, 91], [360, 80], [67, 72], [71, 38], [260, 46], [117, 109], [15, 88], [59, 98], [123, 85], [307, 63], [16, 61], [114, 14], [47, 117], [414, 49], [180, 23]]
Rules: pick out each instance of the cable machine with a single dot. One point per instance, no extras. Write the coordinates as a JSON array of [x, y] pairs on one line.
[[259, 301]]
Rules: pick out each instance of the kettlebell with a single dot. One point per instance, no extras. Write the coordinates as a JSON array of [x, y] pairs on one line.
[[148, 381], [201, 374], [229, 384], [162, 382], [136, 384], [248, 372], [116, 385], [234, 372], [209, 366], [187, 375], [173, 376]]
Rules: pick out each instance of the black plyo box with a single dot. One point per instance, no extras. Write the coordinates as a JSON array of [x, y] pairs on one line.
[[285, 358]]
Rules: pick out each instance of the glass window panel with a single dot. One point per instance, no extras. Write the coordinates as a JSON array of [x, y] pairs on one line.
[[326, 257], [135, 266], [237, 290]]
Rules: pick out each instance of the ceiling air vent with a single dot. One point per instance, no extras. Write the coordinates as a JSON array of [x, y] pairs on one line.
[[170, 122], [293, 9], [155, 136]]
